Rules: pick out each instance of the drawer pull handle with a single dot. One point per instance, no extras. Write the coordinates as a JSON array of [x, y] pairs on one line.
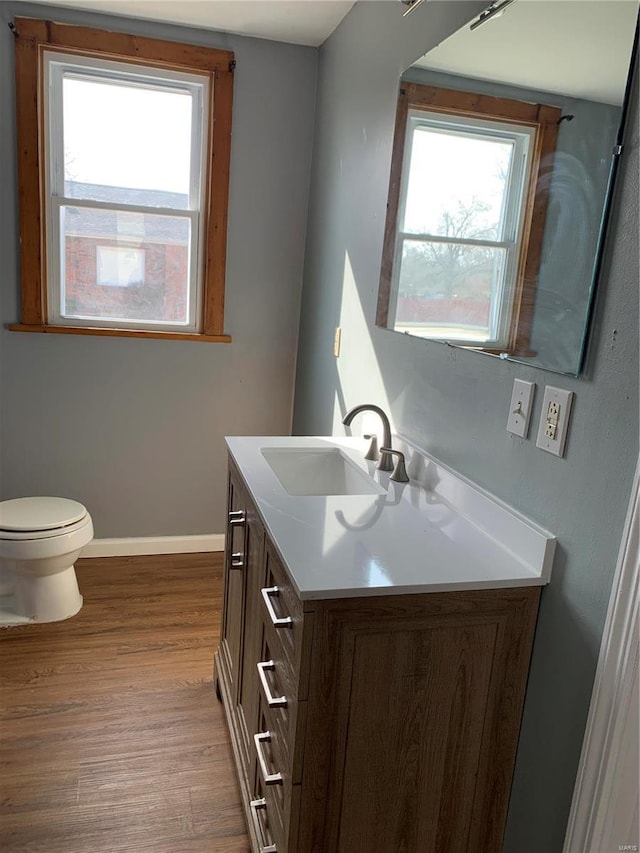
[[237, 560], [267, 778], [255, 806], [237, 518], [268, 593], [272, 701]]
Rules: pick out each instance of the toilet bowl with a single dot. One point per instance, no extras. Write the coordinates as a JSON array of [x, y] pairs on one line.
[[40, 540]]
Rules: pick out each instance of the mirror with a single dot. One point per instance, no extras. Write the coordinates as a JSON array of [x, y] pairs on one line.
[[506, 145]]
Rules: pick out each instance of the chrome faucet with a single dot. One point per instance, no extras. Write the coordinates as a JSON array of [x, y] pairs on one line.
[[386, 457]]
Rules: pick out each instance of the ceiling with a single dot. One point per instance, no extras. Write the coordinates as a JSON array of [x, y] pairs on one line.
[[307, 22], [575, 47]]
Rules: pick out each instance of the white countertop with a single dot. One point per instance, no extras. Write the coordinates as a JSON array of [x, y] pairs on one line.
[[437, 533]]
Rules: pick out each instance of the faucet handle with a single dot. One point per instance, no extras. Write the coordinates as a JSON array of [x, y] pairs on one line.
[[372, 453], [400, 471]]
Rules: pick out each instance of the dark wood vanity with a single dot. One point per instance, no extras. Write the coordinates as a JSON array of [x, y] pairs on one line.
[[385, 723]]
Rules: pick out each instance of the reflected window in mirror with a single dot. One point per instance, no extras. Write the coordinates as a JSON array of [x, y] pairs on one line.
[[465, 218], [534, 299]]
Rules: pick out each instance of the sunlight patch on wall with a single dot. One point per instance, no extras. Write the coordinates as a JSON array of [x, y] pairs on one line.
[[359, 376]]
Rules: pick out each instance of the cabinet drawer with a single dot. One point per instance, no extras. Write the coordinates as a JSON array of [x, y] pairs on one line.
[[279, 698], [262, 818], [282, 608], [278, 693], [274, 775]]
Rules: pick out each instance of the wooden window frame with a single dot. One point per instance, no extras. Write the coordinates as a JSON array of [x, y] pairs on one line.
[[33, 37], [544, 120]]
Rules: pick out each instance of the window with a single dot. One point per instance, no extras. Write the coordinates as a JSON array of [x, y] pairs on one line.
[[124, 158], [465, 218], [117, 266]]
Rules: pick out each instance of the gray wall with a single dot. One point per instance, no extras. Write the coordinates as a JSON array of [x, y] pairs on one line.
[[132, 428], [455, 403]]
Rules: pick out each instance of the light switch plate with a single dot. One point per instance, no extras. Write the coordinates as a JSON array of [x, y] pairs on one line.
[[554, 420], [337, 340], [520, 407]]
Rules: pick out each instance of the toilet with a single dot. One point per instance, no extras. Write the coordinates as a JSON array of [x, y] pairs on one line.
[[40, 540]]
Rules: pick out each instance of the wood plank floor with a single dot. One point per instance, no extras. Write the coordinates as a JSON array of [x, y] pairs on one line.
[[111, 735]]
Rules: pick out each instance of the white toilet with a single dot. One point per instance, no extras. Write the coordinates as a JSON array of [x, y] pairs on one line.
[[40, 540]]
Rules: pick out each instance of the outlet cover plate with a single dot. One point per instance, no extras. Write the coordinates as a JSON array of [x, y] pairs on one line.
[[520, 407], [554, 420]]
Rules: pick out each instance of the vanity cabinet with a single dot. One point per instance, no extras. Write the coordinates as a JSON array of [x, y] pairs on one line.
[[379, 723]]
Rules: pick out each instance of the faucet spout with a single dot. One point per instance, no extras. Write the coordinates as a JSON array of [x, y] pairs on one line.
[[386, 459]]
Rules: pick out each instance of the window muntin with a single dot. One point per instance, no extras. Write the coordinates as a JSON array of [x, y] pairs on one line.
[[146, 189], [460, 222]]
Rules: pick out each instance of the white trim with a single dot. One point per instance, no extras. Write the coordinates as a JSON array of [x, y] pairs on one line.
[[141, 545], [62, 200], [604, 811]]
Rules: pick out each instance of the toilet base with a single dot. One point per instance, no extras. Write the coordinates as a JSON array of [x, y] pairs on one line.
[[41, 598]]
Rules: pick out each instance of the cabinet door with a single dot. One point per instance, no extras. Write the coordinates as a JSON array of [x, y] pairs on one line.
[[413, 720], [234, 582]]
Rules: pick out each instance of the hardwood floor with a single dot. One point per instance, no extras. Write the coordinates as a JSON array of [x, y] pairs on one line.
[[112, 738]]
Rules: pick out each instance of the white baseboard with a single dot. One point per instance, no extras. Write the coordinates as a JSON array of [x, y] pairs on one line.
[[143, 545]]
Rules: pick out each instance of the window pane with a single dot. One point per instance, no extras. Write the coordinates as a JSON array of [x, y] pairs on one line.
[[457, 184], [125, 266], [447, 290], [125, 143]]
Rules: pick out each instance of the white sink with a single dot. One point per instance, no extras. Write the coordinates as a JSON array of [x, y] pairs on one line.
[[318, 471]]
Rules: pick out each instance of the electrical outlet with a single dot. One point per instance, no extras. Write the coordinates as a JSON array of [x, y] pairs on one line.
[[551, 419], [520, 407], [554, 420]]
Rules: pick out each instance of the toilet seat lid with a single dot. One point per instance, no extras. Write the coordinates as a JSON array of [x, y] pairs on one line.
[[23, 514]]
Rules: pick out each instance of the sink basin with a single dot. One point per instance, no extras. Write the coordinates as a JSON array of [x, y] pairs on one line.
[[318, 471]]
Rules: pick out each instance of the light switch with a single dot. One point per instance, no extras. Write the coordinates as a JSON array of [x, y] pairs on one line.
[[337, 340], [520, 407]]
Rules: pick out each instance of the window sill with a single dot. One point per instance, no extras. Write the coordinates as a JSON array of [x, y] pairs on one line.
[[119, 333]]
